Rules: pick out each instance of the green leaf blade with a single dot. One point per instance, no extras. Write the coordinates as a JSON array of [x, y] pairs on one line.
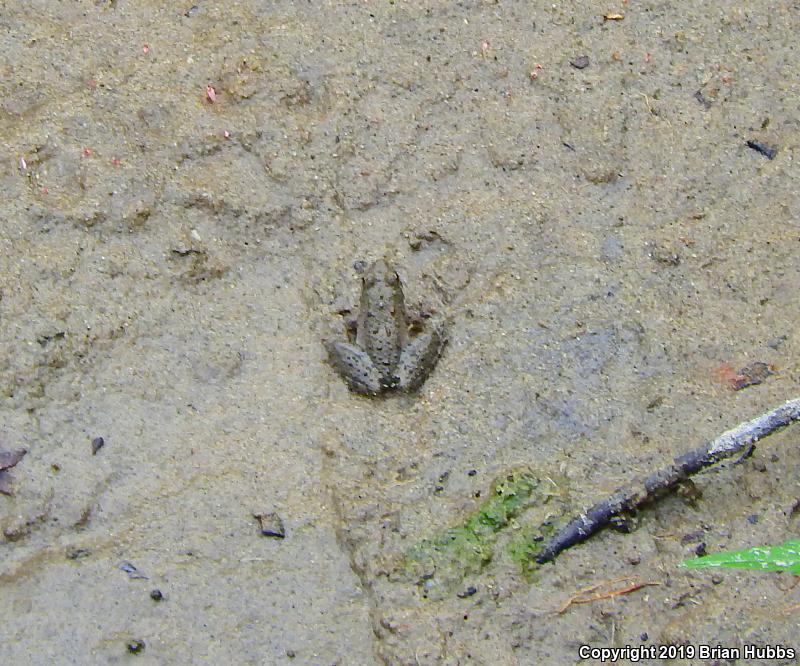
[[785, 557]]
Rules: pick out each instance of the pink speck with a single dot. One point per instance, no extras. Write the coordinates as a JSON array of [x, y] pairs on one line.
[[211, 94], [145, 48], [87, 152], [23, 164]]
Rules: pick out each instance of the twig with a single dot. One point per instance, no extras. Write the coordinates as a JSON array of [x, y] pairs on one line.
[[583, 596], [664, 480]]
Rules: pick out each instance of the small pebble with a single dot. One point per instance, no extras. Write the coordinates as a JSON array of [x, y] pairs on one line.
[[132, 571], [777, 341], [692, 536], [271, 525], [97, 444], [581, 62], [700, 97], [468, 592], [700, 549], [767, 151], [136, 646], [156, 595]]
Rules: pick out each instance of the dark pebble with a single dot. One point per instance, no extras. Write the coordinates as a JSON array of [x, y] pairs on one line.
[[271, 525], [702, 99], [77, 553], [290, 654], [472, 472], [752, 519], [581, 62], [5, 483], [97, 444], [716, 579], [776, 342], [10, 458], [643, 636], [132, 571], [767, 151], [156, 595], [468, 592], [136, 646], [692, 536], [700, 549]]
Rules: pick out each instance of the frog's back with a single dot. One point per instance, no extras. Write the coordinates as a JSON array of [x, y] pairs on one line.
[[382, 319]]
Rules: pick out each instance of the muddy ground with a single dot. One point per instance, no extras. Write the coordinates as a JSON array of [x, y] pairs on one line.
[[186, 188]]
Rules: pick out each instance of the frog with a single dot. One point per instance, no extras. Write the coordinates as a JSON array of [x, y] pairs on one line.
[[384, 357]]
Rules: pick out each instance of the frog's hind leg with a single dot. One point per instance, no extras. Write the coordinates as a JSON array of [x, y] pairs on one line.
[[418, 358], [357, 368]]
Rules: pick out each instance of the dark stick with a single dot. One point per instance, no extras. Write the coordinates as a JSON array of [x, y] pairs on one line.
[[660, 483]]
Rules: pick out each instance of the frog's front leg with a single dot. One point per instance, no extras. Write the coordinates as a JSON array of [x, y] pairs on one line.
[[418, 358], [357, 368]]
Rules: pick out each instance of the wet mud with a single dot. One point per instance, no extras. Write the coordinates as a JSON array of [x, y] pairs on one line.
[[604, 209]]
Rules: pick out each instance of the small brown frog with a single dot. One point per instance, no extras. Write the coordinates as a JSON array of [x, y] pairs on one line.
[[383, 357]]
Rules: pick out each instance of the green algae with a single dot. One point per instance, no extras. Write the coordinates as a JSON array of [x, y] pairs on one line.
[[442, 561]]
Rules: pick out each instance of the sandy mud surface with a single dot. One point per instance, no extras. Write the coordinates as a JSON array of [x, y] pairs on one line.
[[186, 187]]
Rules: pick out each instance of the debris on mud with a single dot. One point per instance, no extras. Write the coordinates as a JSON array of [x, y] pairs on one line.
[[751, 375], [9, 459], [767, 151], [97, 444], [440, 563], [271, 525], [665, 480], [596, 592], [581, 62], [132, 571]]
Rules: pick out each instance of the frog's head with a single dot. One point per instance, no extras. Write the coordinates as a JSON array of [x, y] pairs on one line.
[[381, 273]]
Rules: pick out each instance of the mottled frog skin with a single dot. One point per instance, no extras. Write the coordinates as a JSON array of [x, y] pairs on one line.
[[383, 357]]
